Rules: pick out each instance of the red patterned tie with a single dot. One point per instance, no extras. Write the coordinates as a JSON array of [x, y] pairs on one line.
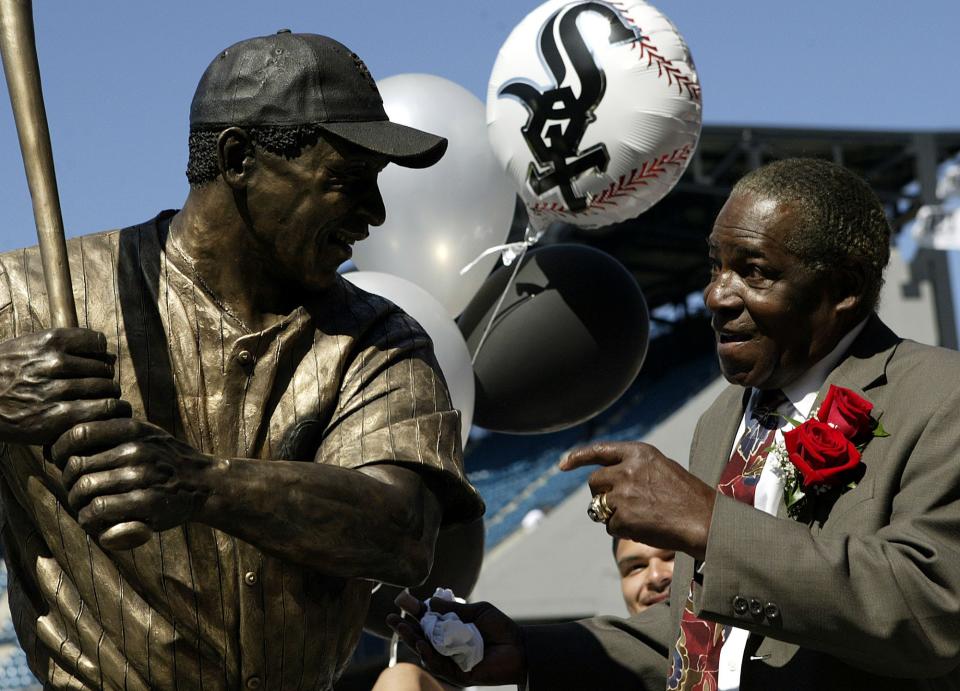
[[696, 657]]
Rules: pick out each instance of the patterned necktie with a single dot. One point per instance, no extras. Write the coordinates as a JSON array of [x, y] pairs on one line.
[[696, 657]]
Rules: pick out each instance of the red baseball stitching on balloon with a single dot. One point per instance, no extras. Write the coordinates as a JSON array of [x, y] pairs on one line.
[[651, 169], [665, 67], [648, 170]]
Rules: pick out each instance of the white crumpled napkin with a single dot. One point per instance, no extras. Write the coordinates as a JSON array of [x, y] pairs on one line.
[[450, 637]]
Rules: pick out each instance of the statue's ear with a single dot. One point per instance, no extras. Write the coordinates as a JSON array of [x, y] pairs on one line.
[[236, 156]]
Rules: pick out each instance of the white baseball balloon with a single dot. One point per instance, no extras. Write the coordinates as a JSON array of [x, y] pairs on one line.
[[440, 218], [594, 110], [448, 344]]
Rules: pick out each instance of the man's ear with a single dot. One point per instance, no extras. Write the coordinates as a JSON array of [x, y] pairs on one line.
[[848, 286], [236, 156]]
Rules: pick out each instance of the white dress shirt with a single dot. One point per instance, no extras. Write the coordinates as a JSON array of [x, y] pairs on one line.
[[801, 395]]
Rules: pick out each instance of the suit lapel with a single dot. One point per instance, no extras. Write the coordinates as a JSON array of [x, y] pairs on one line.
[[865, 366], [719, 429]]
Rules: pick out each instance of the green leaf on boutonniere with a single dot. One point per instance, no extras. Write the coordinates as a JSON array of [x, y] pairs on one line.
[[879, 431], [792, 421], [793, 495]]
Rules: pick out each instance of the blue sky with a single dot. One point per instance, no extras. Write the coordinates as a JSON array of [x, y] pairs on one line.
[[118, 76]]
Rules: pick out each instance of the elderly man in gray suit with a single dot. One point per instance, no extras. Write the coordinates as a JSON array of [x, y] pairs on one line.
[[818, 528]]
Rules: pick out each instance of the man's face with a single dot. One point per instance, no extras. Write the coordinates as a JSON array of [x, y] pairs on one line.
[[773, 317], [307, 212], [645, 574]]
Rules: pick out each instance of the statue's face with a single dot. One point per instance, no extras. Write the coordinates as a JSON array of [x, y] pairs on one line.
[[773, 316], [307, 212]]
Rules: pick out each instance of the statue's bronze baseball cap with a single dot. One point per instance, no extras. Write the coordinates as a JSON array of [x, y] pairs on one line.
[[299, 79]]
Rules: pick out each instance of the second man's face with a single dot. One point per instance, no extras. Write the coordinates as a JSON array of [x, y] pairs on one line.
[[772, 315]]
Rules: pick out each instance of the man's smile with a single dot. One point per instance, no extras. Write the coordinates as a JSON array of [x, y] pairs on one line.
[[342, 240], [726, 336], [654, 599]]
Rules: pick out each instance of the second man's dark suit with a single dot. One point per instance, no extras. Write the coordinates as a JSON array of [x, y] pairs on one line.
[[868, 597]]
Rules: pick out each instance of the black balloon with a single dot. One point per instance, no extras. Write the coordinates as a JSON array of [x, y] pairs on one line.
[[568, 340]]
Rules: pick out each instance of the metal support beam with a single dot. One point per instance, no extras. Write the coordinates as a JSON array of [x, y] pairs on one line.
[[931, 265], [928, 264], [696, 166], [925, 147], [837, 152]]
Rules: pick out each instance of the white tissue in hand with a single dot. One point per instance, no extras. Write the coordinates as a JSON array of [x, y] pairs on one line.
[[450, 637], [446, 594]]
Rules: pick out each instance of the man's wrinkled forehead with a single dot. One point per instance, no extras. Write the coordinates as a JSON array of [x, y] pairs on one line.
[[748, 222]]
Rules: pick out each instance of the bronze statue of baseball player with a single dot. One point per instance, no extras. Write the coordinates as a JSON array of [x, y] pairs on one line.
[[286, 438]]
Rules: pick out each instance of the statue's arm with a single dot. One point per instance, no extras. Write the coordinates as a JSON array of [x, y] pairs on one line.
[[377, 521]]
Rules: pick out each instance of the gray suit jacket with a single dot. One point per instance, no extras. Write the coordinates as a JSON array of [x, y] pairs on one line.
[[867, 596]]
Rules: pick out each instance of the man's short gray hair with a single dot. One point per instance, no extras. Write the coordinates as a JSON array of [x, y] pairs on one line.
[[840, 220]]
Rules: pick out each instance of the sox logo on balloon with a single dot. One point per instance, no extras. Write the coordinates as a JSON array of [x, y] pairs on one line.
[[609, 110], [557, 148]]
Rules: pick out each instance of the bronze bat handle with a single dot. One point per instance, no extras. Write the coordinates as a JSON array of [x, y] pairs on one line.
[[22, 70]]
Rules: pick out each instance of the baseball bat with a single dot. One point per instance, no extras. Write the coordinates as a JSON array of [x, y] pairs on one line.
[[22, 70]]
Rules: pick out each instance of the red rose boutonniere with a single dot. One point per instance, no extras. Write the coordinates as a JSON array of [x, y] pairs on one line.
[[824, 452], [846, 412], [821, 453]]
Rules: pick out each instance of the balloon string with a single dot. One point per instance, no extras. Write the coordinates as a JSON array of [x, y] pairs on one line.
[[510, 251], [511, 246], [503, 296]]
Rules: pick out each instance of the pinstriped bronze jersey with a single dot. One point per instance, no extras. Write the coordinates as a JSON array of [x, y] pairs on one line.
[[347, 379]]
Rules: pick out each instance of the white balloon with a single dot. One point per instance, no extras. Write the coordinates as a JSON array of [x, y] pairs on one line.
[[440, 218], [448, 343], [593, 109]]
